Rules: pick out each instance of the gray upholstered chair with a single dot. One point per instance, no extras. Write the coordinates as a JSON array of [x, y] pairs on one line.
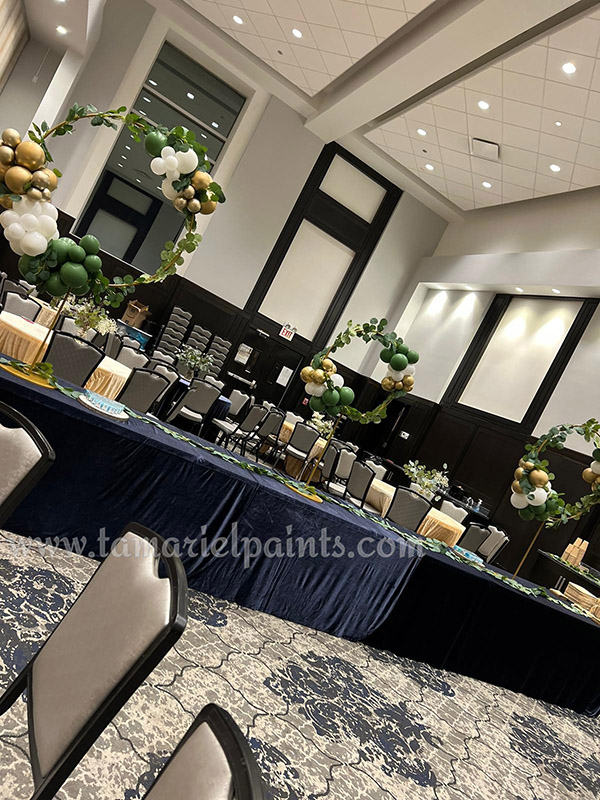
[[238, 401], [454, 511], [300, 444], [327, 464], [240, 431], [129, 341], [215, 382], [267, 433], [378, 469], [163, 369], [118, 630], [21, 306], [113, 345], [408, 508], [493, 545], [224, 343], [6, 285], [25, 456], [358, 485], [142, 389], [68, 326], [213, 761], [158, 355], [197, 402], [344, 465], [132, 358], [473, 537], [72, 358]]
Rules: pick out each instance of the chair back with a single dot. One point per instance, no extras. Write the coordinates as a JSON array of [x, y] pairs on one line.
[[252, 419], [293, 418], [408, 508], [118, 630], [328, 462], [454, 511], [25, 307], [344, 464], [68, 326], [378, 469], [6, 285], [215, 382], [129, 341], [113, 345], [25, 455], [354, 447], [303, 437], [490, 548], [143, 388], [224, 343], [213, 761], [360, 480], [271, 424], [162, 369], [72, 358], [238, 401], [132, 358], [473, 538], [201, 396], [158, 355]]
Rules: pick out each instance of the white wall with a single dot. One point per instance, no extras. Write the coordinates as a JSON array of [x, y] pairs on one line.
[[260, 197], [21, 96]]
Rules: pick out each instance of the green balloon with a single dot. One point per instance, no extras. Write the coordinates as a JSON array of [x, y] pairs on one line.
[[24, 265], [412, 356], [90, 244], [402, 348], [399, 362], [316, 404], [527, 514], [551, 505], [540, 511], [331, 397], [55, 287], [333, 411], [346, 396], [81, 290], [154, 143], [596, 454], [93, 264], [76, 253], [73, 275], [61, 248], [386, 355]]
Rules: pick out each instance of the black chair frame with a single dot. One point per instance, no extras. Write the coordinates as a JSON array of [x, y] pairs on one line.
[[46, 787]]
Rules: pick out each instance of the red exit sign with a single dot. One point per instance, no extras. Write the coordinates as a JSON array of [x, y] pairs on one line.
[[287, 333]]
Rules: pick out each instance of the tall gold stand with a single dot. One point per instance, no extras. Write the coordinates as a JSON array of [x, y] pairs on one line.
[[533, 541]]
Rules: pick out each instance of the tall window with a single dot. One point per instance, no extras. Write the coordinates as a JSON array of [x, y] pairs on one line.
[[127, 211]]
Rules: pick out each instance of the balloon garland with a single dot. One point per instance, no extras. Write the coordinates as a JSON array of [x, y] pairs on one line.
[[325, 385]]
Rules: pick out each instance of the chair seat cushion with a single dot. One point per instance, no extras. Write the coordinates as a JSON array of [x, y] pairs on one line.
[[338, 489], [223, 425], [295, 453], [354, 500], [189, 414], [373, 510]]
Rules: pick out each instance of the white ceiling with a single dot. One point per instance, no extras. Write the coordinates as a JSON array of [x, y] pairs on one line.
[[335, 33], [528, 93]]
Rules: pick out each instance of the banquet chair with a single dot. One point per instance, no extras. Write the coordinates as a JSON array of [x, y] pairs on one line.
[[344, 464], [142, 389], [6, 285], [354, 447], [158, 355], [326, 465], [119, 629], [224, 343], [196, 402], [26, 456], [238, 401], [378, 469], [293, 418], [266, 433], [212, 761], [215, 382], [240, 431], [113, 345], [68, 326], [72, 358], [25, 307], [408, 508], [495, 543], [162, 369], [454, 511], [132, 358], [358, 485], [299, 446], [473, 537], [129, 341]]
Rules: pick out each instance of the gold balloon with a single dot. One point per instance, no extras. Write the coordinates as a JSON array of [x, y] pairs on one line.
[[408, 388], [16, 178], [201, 180], [46, 194], [52, 177], [193, 206], [209, 207], [519, 473], [40, 179], [329, 366], [30, 155], [189, 192], [516, 487], [306, 373], [319, 376], [388, 384], [526, 464], [398, 385], [6, 202], [34, 194], [588, 475], [408, 381], [7, 155], [3, 170], [538, 478], [11, 137], [180, 203]]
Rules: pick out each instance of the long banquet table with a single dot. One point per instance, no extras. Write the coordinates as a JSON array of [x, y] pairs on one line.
[[418, 603]]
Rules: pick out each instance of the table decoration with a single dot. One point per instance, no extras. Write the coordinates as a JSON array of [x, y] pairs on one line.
[[59, 266], [428, 480], [98, 403], [320, 423], [195, 361], [532, 492]]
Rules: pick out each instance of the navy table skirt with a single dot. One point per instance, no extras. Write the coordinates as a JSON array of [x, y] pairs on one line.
[[245, 537]]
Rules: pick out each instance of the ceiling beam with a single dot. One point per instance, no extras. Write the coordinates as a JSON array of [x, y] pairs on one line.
[[444, 42]]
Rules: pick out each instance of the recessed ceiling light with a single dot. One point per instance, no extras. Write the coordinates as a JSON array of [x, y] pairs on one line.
[[483, 105], [147, 99], [127, 147], [124, 158], [421, 131], [120, 165], [569, 68], [296, 33], [519, 290], [143, 113], [204, 136], [215, 124], [486, 184], [554, 167], [430, 167], [558, 123], [153, 83], [238, 20], [190, 96], [556, 291], [138, 180], [61, 29]]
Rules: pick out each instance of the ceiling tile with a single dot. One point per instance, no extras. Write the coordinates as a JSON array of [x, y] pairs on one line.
[[387, 20], [425, 150], [488, 81], [560, 97], [353, 17], [280, 51], [569, 128], [543, 168], [557, 147], [451, 98], [481, 128], [582, 36], [319, 11], [520, 177], [524, 88], [460, 189], [359, 44], [547, 185], [335, 63], [511, 192], [438, 183], [398, 142], [586, 176], [466, 205], [530, 61], [254, 43], [415, 6], [522, 114], [525, 138], [486, 197], [287, 8], [454, 140], [593, 106], [490, 169], [452, 158], [330, 39], [257, 5], [515, 157], [438, 169], [589, 156], [398, 125], [581, 78], [406, 159], [414, 125], [295, 74], [316, 80], [590, 132], [495, 103], [457, 175], [267, 25], [213, 13], [451, 120], [376, 136], [422, 113], [309, 58]]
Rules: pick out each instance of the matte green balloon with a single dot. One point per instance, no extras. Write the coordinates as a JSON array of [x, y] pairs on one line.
[[346, 396], [412, 356], [55, 287], [540, 511], [316, 404], [61, 248], [596, 454], [76, 253], [73, 275], [24, 265], [331, 397], [90, 244], [81, 290], [333, 411], [93, 264], [527, 514], [154, 143], [386, 355], [399, 362], [402, 348]]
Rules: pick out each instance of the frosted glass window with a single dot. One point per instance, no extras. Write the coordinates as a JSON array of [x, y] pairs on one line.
[[107, 227], [518, 356], [352, 188], [576, 397], [307, 280]]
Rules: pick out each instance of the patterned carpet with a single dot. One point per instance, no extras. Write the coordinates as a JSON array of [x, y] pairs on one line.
[[325, 717]]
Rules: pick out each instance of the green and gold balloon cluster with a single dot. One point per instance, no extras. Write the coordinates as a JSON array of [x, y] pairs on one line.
[[401, 362], [326, 388]]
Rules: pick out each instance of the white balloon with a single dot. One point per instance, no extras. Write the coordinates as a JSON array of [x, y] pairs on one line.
[[319, 389], [167, 151], [15, 246], [518, 500], [595, 467], [173, 174], [309, 388], [537, 497], [55, 235], [34, 243], [46, 225], [337, 380], [397, 375], [167, 189], [188, 161], [171, 163], [409, 370], [29, 222], [27, 206], [48, 210], [15, 231], [157, 165], [8, 217]]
